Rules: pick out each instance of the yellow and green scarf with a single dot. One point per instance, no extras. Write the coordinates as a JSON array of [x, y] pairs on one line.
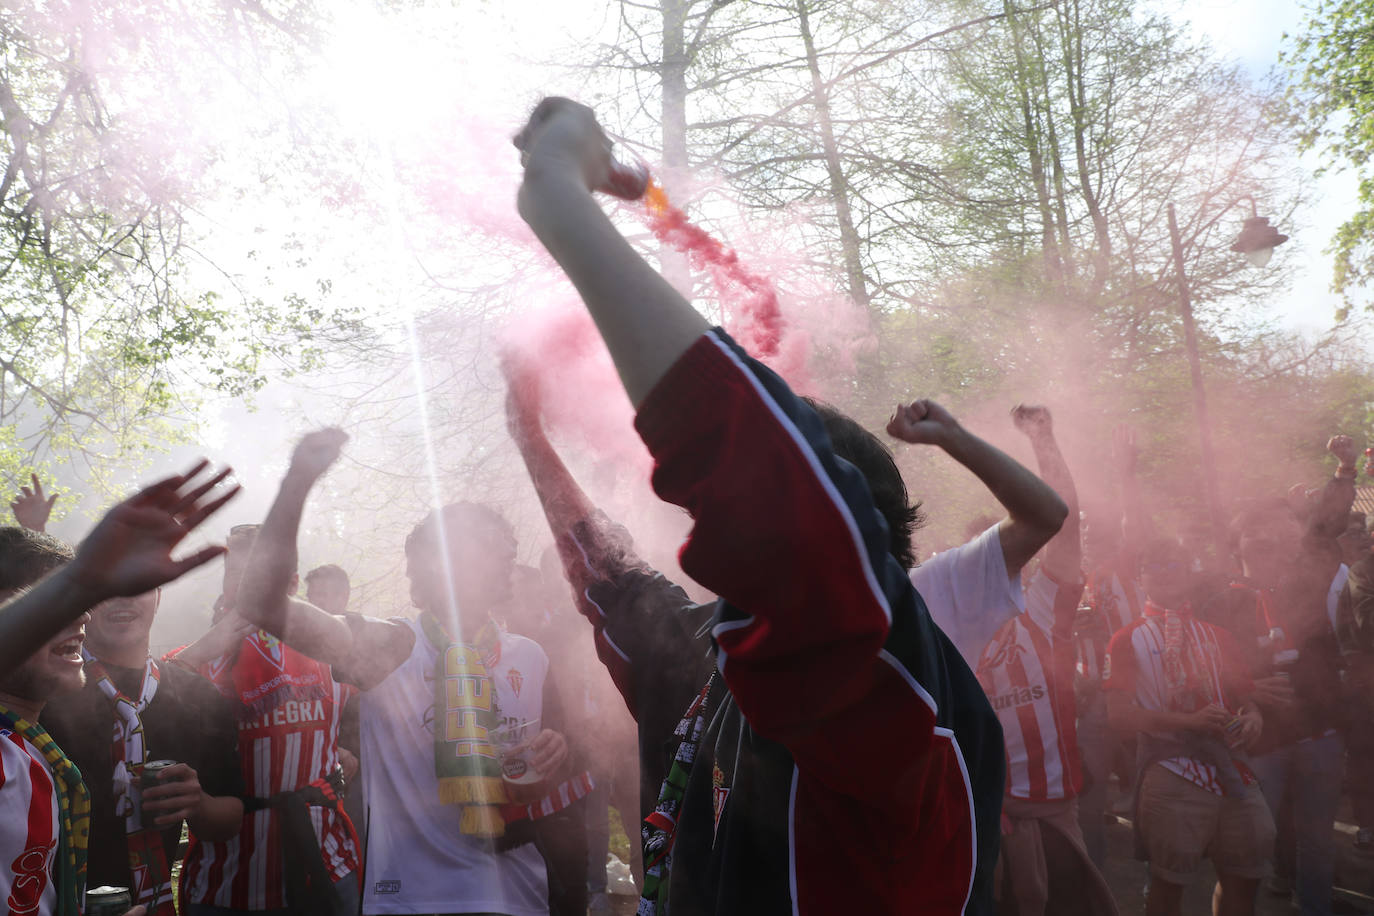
[[465, 715], [74, 806]]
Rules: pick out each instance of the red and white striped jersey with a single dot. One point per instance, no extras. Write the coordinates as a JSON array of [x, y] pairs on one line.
[[1027, 674], [1135, 663], [288, 708], [1115, 605], [29, 827]]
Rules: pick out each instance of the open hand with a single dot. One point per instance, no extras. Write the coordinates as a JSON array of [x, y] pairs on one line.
[[176, 797], [317, 451], [922, 422], [31, 509], [1033, 420], [129, 551]]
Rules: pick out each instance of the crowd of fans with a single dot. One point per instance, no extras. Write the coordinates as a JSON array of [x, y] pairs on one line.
[[845, 729]]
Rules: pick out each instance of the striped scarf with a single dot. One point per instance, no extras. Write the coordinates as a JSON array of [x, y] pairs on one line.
[[660, 827], [465, 715], [147, 859], [74, 806], [1185, 666]]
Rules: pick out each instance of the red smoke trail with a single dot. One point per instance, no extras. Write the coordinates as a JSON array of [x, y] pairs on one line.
[[760, 324]]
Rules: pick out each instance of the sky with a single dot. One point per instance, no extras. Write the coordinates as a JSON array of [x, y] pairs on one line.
[[1251, 32], [484, 67]]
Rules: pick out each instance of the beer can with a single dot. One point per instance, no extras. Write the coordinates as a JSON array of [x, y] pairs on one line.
[[147, 780], [108, 901]]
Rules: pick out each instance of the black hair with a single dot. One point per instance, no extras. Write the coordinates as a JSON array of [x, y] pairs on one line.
[[457, 516], [327, 571], [27, 556], [874, 460], [1261, 511]]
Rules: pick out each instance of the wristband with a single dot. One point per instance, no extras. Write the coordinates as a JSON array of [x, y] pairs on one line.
[[1346, 471]]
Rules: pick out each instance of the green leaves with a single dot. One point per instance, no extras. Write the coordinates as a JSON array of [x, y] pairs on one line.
[[1330, 104]]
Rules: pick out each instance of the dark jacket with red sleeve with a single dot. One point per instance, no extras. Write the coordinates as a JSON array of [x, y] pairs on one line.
[[851, 762]]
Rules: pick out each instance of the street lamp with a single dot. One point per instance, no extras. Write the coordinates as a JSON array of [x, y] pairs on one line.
[[1257, 241]]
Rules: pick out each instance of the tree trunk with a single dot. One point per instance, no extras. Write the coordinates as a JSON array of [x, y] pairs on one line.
[[839, 188], [673, 76]]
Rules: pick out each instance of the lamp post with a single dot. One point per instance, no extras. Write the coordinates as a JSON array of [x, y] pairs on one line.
[[1257, 241]]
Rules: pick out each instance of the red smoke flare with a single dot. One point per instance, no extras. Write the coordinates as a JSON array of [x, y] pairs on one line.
[[759, 323]]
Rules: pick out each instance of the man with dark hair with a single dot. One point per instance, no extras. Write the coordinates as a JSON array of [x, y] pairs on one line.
[[294, 851], [443, 697], [327, 587], [44, 804], [1182, 686], [874, 460], [133, 710], [1027, 669], [1280, 611], [27, 555], [825, 716], [972, 588]]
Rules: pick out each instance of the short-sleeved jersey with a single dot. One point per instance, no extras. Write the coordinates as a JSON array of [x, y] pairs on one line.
[[1135, 664], [29, 827], [288, 708], [969, 592], [1027, 673], [418, 858]]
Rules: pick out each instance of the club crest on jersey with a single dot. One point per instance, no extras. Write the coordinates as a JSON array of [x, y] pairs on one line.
[[515, 679], [269, 647], [719, 794]]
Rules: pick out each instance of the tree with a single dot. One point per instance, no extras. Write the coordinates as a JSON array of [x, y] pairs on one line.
[[1331, 103], [105, 327]]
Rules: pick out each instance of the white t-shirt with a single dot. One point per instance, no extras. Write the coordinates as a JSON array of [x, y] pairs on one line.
[[1333, 594], [969, 593], [418, 861], [30, 822]]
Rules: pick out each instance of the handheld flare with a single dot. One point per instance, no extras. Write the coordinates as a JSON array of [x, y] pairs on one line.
[[628, 182]]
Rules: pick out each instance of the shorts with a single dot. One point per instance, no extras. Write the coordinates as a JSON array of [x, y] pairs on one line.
[[1182, 823]]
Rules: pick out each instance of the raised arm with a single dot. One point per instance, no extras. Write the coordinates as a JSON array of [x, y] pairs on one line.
[[783, 530], [644, 625], [262, 598], [129, 552], [1034, 511], [1064, 553], [1331, 513], [646, 324]]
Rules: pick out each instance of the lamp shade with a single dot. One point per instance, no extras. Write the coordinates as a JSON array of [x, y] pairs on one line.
[[1257, 240]]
